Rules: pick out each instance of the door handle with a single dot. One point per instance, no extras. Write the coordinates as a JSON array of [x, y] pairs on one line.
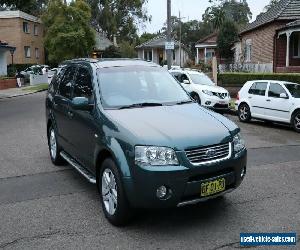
[[268, 100], [249, 97], [70, 114]]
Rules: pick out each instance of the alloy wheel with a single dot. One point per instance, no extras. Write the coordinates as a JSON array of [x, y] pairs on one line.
[[297, 121], [109, 191], [53, 145], [244, 112]]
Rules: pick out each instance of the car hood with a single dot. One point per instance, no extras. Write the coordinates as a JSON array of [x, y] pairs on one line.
[[178, 126], [211, 88]]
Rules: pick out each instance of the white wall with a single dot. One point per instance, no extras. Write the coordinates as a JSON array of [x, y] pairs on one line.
[[3, 62]]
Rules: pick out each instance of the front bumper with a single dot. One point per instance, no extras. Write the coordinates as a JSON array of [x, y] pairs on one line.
[[183, 183], [216, 103]]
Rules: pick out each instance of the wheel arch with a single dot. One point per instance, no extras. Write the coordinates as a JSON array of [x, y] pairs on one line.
[[297, 109]]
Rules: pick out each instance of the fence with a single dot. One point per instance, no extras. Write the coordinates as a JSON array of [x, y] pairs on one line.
[[246, 67]]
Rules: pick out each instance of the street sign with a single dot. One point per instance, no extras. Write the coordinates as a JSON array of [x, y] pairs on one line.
[[169, 45]]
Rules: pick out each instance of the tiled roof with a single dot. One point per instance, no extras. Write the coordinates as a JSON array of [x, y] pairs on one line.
[[211, 38], [19, 14], [284, 10], [156, 42]]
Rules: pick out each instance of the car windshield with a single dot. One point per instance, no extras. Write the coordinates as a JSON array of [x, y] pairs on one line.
[[294, 89], [125, 87], [201, 79]]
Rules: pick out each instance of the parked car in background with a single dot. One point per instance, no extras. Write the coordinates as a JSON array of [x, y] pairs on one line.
[[34, 69], [276, 101], [203, 89], [131, 129]]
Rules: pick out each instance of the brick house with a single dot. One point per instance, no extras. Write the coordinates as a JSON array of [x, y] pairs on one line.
[[272, 42], [206, 48], [25, 32]]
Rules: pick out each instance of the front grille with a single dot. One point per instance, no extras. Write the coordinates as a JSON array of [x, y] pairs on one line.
[[220, 106], [220, 95], [209, 154]]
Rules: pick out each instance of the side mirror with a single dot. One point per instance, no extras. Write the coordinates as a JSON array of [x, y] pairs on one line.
[[284, 96], [81, 103], [186, 81]]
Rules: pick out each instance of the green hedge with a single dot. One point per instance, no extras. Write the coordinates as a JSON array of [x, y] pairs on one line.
[[239, 79]]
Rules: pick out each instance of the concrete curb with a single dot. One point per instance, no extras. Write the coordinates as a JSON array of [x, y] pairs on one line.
[[15, 96]]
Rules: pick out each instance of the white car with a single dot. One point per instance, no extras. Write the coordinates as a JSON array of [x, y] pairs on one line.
[[202, 89], [270, 100]]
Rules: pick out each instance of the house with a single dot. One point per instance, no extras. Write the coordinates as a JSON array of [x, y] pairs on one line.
[[25, 33], [5, 51], [206, 48], [154, 50], [272, 42], [102, 43]]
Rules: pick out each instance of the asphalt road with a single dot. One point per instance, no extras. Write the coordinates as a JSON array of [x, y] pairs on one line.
[[47, 207]]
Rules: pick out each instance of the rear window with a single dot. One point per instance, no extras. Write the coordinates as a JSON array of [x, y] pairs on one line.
[[258, 88]]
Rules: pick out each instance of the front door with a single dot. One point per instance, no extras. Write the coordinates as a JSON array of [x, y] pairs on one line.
[[257, 98], [62, 101], [277, 108], [83, 132]]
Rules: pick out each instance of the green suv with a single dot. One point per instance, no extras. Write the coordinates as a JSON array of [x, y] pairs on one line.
[[131, 129]]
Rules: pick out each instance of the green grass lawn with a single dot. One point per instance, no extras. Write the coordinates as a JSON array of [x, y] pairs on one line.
[[39, 87]]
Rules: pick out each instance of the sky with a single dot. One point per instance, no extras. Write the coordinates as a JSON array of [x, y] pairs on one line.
[[190, 9]]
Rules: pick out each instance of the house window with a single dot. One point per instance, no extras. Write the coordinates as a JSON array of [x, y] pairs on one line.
[[25, 27], [210, 54], [35, 30], [37, 53], [148, 55], [248, 51], [296, 45], [27, 51]]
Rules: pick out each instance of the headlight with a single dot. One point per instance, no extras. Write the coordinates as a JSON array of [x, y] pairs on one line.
[[155, 156], [207, 92], [238, 143]]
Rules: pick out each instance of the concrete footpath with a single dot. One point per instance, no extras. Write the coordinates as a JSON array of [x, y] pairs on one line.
[[15, 92]]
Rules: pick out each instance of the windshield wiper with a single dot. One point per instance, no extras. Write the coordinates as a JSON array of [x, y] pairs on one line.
[[184, 102], [139, 105]]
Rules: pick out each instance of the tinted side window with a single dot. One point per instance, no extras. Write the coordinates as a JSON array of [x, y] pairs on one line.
[[56, 80], [83, 84], [275, 90], [177, 76], [65, 86], [258, 88]]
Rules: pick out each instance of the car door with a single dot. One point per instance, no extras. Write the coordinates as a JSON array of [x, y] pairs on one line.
[[61, 104], [277, 107], [83, 130], [257, 98]]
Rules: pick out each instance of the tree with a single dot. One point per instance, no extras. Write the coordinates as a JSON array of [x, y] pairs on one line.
[[68, 32], [111, 52], [127, 50], [228, 34], [146, 37], [33, 7], [237, 11], [118, 17], [271, 4]]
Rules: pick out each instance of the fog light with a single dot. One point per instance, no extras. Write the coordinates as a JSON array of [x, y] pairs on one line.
[[161, 192], [207, 103], [243, 172]]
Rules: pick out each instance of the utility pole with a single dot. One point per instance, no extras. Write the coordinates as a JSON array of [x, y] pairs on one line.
[[169, 51], [179, 40]]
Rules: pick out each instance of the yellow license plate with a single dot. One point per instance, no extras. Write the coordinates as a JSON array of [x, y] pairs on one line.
[[212, 187]]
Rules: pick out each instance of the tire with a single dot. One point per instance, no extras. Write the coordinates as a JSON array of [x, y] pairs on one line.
[[244, 113], [296, 121], [114, 202], [54, 148], [196, 98]]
